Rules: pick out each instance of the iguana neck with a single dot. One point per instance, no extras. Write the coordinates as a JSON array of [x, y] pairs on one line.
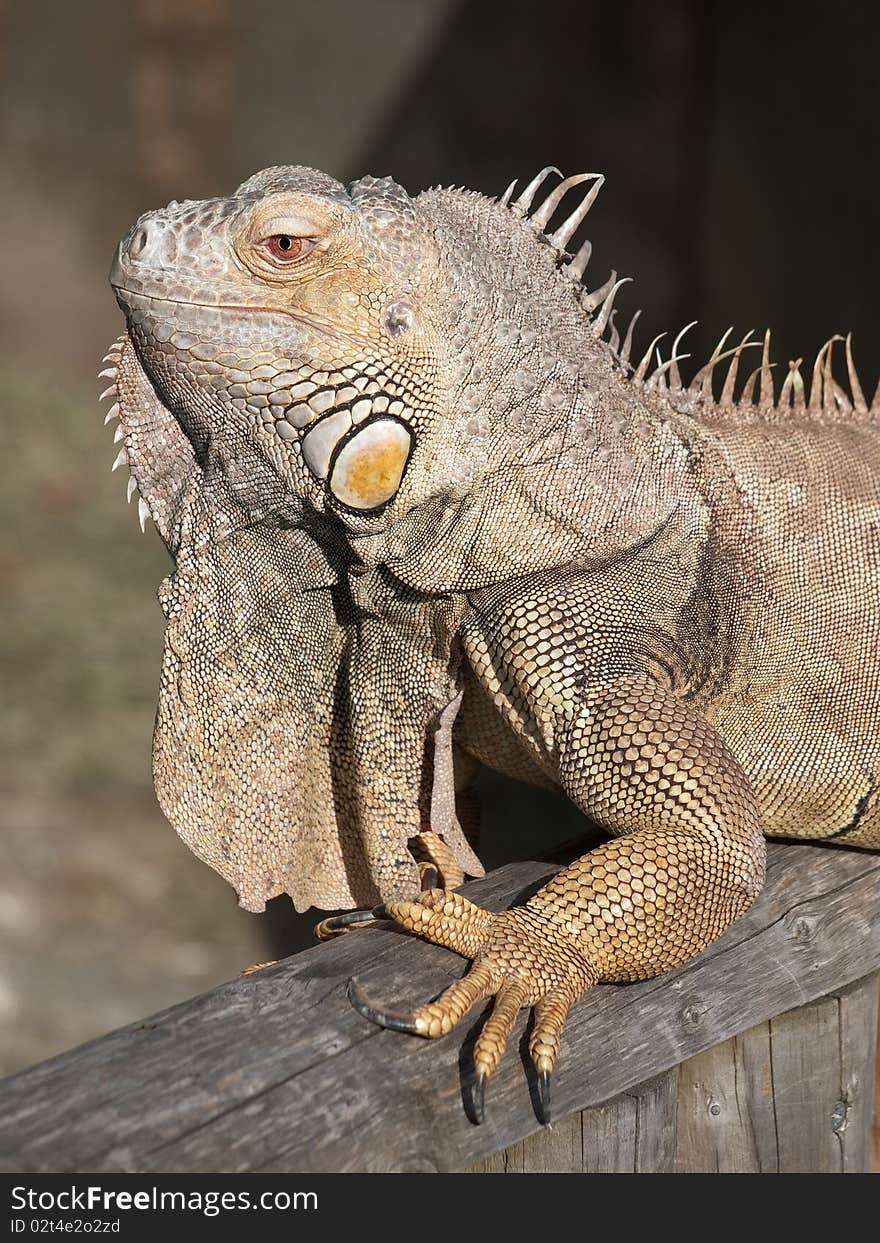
[[606, 477], [543, 433]]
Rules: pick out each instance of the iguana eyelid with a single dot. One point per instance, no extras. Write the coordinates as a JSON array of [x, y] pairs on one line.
[[294, 226], [253, 248]]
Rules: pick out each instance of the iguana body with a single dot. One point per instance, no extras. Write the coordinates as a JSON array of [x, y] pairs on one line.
[[405, 479]]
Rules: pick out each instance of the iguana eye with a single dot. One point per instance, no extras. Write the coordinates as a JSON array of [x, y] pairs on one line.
[[285, 248]]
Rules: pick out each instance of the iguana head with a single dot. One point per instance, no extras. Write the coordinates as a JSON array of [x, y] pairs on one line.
[[293, 312], [383, 354]]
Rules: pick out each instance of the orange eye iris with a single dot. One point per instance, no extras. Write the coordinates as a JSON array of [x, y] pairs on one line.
[[285, 248]]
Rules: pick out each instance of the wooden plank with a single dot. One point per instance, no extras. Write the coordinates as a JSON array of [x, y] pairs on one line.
[[275, 1071], [724, 1100], [805, 1052], [754, 1077], [875, 1131], [634, 1133], [726, 1122], [609, 1136], [655, 1137], [853, 1113], [557, 1149], [790, 1095]]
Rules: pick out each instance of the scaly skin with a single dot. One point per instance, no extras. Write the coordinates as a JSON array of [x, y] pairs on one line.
[[422, 512]]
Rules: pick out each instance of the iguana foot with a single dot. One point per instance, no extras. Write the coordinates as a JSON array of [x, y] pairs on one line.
[[437, 868], [519, 958]]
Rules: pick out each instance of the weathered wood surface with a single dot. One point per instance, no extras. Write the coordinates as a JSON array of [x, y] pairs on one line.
[[792, 1095], [276, 1072], [633, 1134]]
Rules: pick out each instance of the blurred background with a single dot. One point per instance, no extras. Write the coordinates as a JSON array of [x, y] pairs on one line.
[[740, 149]]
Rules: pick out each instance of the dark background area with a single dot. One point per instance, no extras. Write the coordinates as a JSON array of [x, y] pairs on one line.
[[739, 146]]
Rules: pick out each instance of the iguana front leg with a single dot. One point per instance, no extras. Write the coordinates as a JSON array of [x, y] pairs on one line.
[[687, 860]]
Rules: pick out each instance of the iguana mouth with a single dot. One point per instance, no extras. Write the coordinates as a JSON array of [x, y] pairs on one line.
[[157, 285], [243, 308], [354, 435]]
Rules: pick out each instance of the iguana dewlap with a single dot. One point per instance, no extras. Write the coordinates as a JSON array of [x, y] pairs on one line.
[[408, 472]]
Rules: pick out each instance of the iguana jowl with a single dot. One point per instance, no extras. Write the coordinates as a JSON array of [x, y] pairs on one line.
[[408, 472]]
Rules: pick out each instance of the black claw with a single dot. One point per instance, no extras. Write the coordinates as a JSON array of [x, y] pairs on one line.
[[430, 878], [543, 1110], [379, 912], [382, 1018], [478, 1098], [337, 923]]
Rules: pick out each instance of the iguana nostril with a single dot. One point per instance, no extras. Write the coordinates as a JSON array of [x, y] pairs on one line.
[[138, 243]]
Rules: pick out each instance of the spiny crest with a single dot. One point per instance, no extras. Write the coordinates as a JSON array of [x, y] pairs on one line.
[[111, 372], [599, 304], [827, 398]]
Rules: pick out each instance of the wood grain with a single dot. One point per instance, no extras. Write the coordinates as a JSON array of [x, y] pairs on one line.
[[633, 1134], [789, 1095], [792, 1095], [275, 1071]]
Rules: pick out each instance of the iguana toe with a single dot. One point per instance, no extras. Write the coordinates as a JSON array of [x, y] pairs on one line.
[[336, 925]]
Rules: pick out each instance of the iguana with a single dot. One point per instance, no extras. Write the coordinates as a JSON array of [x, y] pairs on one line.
[[426, 509]]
